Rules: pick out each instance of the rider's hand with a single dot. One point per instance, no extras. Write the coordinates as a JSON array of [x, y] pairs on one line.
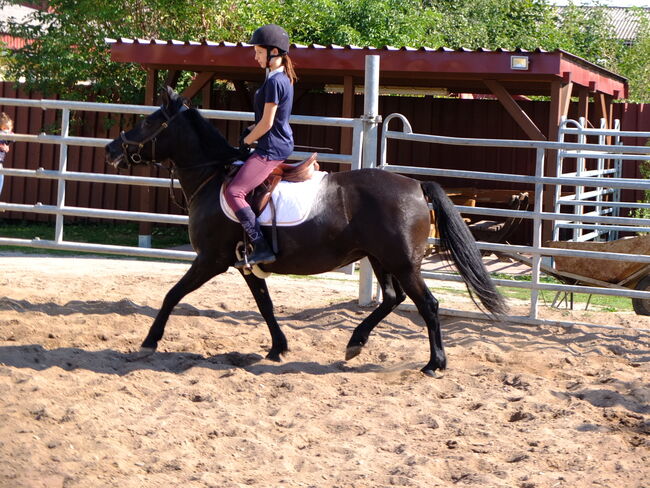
[[244, 134]]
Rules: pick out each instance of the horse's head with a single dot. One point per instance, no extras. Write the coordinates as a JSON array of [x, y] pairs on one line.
[[141, 145]]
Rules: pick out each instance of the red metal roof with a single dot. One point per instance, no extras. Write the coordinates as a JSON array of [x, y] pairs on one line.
[[12, 42], [459, 71]]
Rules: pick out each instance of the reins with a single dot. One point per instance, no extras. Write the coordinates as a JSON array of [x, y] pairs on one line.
[[172, 172]]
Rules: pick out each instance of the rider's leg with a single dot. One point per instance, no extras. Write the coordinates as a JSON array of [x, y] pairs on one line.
[[252, 173], [262, 252]]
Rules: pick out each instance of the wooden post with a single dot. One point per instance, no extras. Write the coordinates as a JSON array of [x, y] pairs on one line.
[[172, 78], [206, 95], [347, 110], [244, 96], [583, 103], [560, 100]]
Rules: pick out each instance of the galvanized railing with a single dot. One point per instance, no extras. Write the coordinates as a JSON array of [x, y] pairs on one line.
[[63, 176], [536, 250]]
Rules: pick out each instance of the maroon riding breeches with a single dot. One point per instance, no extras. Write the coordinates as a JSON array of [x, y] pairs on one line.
[[254, 171]]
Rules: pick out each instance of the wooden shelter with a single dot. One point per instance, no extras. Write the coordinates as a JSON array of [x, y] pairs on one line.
[[504, 74]]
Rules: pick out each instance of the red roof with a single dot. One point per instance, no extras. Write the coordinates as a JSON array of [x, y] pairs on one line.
[[12, 42], [460, 71]]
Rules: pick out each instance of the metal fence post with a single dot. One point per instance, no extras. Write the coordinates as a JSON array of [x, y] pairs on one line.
[[63, 167], [370, 121], [357, 144], [537, 233]]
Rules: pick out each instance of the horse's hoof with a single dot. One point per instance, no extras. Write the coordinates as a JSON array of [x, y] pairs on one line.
[[143, 353], [352, 352], [276, 357], [431, 373]]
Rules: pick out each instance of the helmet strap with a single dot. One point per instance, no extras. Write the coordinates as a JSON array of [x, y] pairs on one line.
[[270, 56]]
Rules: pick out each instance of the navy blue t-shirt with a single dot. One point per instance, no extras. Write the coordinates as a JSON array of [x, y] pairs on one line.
[[277, 143]]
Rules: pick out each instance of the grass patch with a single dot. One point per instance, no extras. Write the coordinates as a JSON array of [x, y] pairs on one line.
[[170, 236], [118, 234]]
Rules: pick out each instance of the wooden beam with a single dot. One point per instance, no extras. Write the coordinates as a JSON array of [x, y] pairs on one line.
[[150, 89], [603, 109], [583, 104], [565, 98], [172, 78], [555, 111], [244, 95], [560, 101], [206, 95], [198, 83], [513, 108], [299, 92]]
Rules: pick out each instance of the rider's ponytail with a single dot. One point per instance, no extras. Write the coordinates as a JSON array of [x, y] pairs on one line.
[[288, 68]]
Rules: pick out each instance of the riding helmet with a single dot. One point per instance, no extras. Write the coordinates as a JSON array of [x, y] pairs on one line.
[[271, 35]]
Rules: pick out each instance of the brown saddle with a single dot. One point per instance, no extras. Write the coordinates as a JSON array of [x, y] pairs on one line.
[[260, 197]]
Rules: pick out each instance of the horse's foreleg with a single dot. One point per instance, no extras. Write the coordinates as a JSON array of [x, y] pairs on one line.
[[393, 295], [198, 274], [265, 305], [427, 305]]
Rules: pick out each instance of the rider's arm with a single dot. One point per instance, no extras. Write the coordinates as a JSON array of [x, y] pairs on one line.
[[264, 125]]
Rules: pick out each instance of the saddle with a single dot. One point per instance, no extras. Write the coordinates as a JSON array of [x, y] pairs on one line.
[[259, 198]]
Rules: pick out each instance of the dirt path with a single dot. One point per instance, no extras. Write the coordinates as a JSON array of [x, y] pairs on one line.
[[519, 406]]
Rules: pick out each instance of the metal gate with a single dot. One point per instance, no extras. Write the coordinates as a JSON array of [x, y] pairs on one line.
[[603, 220]]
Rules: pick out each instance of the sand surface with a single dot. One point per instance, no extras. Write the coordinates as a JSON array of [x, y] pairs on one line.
[[520, 406]]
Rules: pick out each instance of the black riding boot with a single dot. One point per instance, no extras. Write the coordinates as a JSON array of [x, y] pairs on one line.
[[262, 252]]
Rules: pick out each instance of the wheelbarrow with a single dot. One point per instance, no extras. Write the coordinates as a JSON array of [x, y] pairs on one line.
[[605, 273]]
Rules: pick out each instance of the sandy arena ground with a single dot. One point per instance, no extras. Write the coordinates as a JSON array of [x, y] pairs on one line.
[[520, 406]]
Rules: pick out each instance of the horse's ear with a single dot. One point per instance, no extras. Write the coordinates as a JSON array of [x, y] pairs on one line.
[[168, 95]]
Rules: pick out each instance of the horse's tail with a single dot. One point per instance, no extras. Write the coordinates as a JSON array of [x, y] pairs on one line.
[[456, 240]]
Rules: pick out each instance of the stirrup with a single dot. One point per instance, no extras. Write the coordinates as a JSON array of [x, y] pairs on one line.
[[247, 259]]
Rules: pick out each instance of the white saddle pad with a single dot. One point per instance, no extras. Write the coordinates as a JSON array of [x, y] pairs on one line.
[[293, 201]]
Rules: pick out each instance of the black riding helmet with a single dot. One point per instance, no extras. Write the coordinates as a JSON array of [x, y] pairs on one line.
[[271, 36]]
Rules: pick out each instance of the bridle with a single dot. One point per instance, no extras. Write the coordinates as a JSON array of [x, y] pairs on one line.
[[135, 157]]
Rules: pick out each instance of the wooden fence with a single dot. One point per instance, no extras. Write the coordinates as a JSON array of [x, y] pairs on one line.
[[441, 116]]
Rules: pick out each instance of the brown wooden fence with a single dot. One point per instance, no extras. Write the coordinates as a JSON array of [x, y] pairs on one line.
[[441, 116]]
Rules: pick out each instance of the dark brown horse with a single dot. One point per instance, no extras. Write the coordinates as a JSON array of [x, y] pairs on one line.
[[365, 213]]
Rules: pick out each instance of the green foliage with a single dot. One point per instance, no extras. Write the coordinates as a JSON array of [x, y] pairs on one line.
[[118, 234], [635, 61], [68, 40], [588, 33]]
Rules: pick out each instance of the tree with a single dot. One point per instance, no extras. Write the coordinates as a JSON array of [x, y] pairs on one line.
[[68, 40], [635, 61]]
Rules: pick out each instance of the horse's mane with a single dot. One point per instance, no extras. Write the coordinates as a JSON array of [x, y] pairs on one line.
[[212, 141]]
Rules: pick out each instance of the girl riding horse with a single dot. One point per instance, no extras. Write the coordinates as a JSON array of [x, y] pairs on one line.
[[273, 102]]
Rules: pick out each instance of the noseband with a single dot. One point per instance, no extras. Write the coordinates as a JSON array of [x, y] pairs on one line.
[[135, 157]]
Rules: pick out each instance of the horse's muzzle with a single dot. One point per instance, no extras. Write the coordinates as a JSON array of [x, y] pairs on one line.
[[115, 157], [118, 161]]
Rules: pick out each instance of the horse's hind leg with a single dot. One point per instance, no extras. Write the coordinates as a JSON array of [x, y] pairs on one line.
[[198, 274], [265, 305], [393, 295], [427, 305]]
